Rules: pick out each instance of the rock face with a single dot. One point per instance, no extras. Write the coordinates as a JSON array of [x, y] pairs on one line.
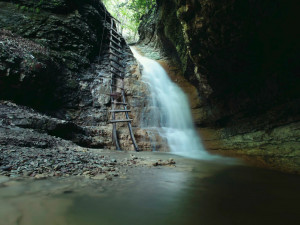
[[52, 71], [242, 58], [44, 47]]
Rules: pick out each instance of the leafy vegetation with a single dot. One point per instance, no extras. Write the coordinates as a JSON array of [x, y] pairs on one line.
[[129, 12]]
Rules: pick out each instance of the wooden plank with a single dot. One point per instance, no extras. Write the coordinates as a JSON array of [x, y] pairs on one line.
[[117, 62], [115, 43], [136, 147], [119, 56], [120, 121], [116, 68], [115, 94], [120, 110], [116, 32], [119, 103], [118, 75], [107, 77], [116, 37], [120, 78], [115, 49]]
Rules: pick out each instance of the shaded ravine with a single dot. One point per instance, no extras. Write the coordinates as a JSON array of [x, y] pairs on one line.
[[169, 111]]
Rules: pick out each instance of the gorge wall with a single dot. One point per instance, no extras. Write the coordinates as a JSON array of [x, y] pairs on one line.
[[52, 90], [242, 58]]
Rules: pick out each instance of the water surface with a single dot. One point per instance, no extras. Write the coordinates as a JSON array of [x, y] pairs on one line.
[[194, 192]]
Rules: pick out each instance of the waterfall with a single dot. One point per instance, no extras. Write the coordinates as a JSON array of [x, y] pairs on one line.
[[169, 111]]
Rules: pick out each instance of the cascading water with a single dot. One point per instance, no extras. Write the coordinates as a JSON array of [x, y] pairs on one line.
[[170, 111]]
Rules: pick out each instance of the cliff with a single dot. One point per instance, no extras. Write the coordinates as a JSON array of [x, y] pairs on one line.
[[52, 87], [242, 58]]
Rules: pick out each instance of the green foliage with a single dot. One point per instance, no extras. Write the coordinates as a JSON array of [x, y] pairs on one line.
[[33, 9], [129, 12]]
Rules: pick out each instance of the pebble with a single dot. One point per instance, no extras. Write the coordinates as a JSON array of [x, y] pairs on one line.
[[99, 177]]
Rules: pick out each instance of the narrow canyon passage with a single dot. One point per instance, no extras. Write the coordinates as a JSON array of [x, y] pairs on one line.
[[149, 112], [198, 189]]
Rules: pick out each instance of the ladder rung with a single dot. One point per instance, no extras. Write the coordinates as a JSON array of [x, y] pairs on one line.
[[116, 32], [119, 56], [117, 50], [115, 94], [119, 103], [116, 61], [120, 121], [117, 74], [116, 68], [116, 37], [117, 87], [106, 77], [120, 110], [114, 42]]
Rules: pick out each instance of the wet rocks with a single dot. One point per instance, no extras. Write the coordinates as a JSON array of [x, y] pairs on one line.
[[160, 162], [40, 163]]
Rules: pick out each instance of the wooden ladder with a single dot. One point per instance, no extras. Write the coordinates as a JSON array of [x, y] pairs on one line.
[[117, 71]]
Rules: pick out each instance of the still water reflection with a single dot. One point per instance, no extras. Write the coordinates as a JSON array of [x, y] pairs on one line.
[[195, 192]]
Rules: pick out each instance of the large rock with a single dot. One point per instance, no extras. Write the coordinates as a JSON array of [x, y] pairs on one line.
[[44, 46]]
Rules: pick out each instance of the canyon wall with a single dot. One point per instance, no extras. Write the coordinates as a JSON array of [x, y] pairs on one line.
[[53, 90], [242, 58]]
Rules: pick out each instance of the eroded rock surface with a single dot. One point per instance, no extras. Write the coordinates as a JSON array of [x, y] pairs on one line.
[[241, 57], [54, 86]]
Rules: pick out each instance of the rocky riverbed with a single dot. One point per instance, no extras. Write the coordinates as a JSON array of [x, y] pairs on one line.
[[41, 163]]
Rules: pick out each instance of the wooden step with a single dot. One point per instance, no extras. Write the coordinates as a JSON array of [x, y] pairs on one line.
[[120, 78], [115, 49], [117, 62], [116, 55], [120, 121], [120, 110], [115, 94], [116, 74], [107, 77], [116, 37], [116, 68], [115, 43], [116, 32], [119, 103]]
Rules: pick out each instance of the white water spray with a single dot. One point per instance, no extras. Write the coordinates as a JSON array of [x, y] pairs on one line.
[[171, 112]]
